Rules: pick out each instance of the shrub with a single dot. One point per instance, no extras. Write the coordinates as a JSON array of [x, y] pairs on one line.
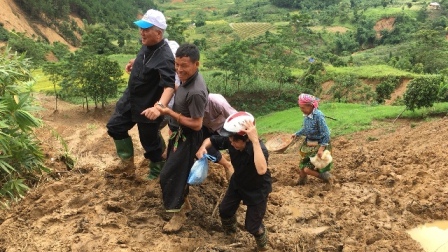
[[385, 89], [422, 92]]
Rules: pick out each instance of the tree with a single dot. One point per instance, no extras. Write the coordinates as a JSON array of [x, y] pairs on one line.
[[344, 87], [422, 92], [98, 40], [200, 19], [60, 50], [233, 59], [23, 45], [431, 50], [309, 79], [385, 89], [274, 59], [53, 71], [176, 28], [87, 76], [345, 43], [103, 77]]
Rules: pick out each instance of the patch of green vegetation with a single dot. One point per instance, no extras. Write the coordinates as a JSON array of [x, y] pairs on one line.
[[350, 118], [42, 84], [369, 71], [380, 12], [122, 59], [251, 29]]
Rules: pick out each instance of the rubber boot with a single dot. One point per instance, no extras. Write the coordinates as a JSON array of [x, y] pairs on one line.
[[125, 151], [154, 169], [302, 180], [327, 179], [262, 240], [229, 225], [325, 176]]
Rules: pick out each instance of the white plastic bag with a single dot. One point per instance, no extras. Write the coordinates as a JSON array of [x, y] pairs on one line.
[[199, 170]]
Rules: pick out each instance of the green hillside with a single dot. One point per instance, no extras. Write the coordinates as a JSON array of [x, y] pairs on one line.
[[272, 50]]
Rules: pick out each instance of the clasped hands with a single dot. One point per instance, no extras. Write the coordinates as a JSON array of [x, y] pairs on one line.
[[156, 111]]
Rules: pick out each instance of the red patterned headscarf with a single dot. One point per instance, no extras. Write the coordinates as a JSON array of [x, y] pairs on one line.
[[308, 99]]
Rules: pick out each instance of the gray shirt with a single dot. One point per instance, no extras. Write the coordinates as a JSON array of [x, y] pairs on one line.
[[191, 99], [216, 112]]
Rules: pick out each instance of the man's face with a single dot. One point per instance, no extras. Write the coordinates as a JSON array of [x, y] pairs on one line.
[[150, 36], [237, 144], [185, 68]]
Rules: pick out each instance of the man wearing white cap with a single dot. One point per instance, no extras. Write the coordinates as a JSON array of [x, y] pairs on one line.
[[151, 82]]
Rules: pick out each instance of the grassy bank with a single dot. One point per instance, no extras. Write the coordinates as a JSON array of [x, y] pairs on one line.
[[350, 118]]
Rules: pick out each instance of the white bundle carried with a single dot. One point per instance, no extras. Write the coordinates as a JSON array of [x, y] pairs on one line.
[[320, 163]]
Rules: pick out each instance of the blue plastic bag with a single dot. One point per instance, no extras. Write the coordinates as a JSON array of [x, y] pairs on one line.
[[199, 170]]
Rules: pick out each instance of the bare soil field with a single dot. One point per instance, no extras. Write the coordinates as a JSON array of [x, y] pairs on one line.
[[386, 181]]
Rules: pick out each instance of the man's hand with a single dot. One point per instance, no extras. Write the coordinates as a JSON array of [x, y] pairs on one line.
[[151, 113], [200, 153], [129, 65], [161, 108]]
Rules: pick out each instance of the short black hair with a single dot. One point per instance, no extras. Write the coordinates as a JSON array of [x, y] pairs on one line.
[[188, 50], [239, 137]]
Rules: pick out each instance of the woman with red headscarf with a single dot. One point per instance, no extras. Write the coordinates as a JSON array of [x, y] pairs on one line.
[[317, 139]]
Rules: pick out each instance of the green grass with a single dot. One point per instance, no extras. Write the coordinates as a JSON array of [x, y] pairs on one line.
[[380, 12], [43, 84], [122, 59], [369, 71], [377, 55], [350, 118]]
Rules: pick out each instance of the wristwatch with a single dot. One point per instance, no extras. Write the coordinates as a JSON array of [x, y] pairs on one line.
[[160, 104]]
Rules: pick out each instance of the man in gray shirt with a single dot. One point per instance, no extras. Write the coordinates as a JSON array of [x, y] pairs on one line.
[[185, 124]]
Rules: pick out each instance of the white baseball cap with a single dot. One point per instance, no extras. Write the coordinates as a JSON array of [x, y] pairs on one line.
[[152, 17]]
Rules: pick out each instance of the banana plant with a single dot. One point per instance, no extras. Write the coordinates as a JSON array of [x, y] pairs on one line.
[[21, 158]]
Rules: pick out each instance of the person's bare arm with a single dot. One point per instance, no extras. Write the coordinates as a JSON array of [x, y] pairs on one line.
[[152, 113], [260, 161], [192, 123], [203, 149], [166, 96]]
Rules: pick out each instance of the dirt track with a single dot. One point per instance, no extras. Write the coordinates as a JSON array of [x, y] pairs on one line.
[[387, 181]]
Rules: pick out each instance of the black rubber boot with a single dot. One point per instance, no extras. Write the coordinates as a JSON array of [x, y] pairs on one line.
[[325, 176], [229, 225], [262, 240], [302, 180]]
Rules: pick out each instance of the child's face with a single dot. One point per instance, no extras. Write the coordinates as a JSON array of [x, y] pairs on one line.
[[306, 108], [238, 144]]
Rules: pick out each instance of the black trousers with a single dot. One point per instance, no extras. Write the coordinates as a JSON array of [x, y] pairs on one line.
[[119, 125], [254, 213], [180, 159]]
